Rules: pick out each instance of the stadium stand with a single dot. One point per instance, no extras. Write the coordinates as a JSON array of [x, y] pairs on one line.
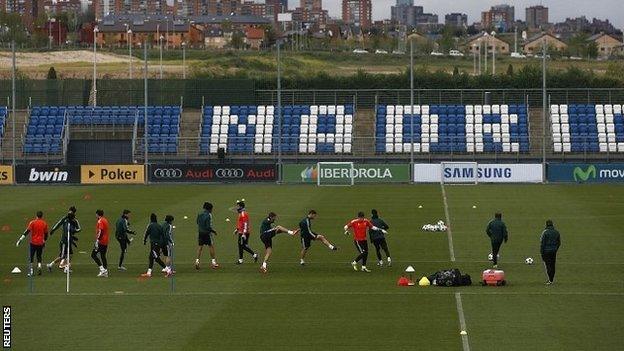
[[306, 129], [46, 125], [452, 128], [587, 128]]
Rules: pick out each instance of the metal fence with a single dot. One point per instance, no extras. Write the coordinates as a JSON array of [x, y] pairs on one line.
[[195, 93]]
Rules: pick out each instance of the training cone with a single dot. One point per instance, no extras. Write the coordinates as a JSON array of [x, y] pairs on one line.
[[424, 281], [16, 270]]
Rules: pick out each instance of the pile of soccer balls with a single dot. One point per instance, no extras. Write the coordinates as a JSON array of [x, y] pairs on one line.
[[439, 227]]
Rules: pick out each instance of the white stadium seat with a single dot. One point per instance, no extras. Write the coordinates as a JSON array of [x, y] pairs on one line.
[[348, 119], [389, 147], [340, 110], [323, 110], [424, 147], [331, 110], [469, 109], [504, 109], [496, 109], [603, 147], [515, 147], [338, 148], [305, 120], [557, 147], [311, 148], [478, 119], [242, 129], [260, 120], [346, 148], [566, 147], [563, 109]]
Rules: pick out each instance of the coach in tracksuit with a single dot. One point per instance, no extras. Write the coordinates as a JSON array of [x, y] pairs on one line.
[[497, 231], [549, 245]]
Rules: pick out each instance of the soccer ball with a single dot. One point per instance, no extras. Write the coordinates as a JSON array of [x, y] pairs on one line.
[[528, 261], [491, 257]]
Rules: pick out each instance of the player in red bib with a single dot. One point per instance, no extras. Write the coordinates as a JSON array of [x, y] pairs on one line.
[[101, 243], [360, 227], [38, 230], [243, 230]]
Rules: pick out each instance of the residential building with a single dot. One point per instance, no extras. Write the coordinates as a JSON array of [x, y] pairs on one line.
[[28, 10], [606, 44], [499, 17], [60, 6], [536, 17], [486, 43], [357, 13], [457, 20], [254, 38], [534, 44], [174, 33], [215, 38]]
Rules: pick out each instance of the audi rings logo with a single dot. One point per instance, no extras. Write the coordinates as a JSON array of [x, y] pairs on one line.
[[168, 173], [230, 173]]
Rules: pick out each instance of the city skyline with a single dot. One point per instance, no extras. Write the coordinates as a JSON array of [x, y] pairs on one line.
[[559, 10]]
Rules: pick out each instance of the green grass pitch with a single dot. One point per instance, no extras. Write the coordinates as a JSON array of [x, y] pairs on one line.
[[325, 305]]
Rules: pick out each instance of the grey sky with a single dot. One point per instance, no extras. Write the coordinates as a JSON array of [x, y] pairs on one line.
[[559, 9]]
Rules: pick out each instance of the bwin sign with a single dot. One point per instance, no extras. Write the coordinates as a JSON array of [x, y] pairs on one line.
[[48, 176]]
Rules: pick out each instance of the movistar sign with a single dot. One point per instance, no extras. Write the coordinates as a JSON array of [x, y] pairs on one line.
[[586, 173], [581, 175]]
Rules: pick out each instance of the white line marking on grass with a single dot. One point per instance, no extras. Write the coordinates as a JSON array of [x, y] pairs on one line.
[[462, 321], [458, 300], [449, 231], [335, 293]]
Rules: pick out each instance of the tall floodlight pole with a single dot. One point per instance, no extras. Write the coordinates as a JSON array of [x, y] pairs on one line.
[[479, 56], [130, 50], [95, 31], [493, 54], [161, 49], [279, 107], [544, 109], [412, 101], [184, 60], [13, 99], [145, 129], [485, 56]]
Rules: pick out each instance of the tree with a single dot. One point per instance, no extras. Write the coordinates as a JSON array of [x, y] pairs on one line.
[[455, 71], [447, 42], [510, 70], [238, 40], [51, 73]]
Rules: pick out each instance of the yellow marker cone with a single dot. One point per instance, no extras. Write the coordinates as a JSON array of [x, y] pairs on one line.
[[424, 282]]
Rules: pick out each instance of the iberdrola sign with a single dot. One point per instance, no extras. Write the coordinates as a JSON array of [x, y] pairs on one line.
[[361, 173]]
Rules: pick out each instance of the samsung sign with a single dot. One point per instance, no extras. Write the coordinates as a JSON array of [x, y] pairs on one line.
[[586, 172], [467, 172]]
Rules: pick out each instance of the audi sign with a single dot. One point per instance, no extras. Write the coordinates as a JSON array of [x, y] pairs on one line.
[[167, 173], [212, 173]]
